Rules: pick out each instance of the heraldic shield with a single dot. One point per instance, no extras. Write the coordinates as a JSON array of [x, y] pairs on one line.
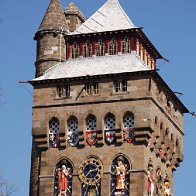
[[91, 136], [110, 136], [129, 135], [73, 138]]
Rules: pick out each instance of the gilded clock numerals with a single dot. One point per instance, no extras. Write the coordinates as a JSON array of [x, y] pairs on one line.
[[91, 171]]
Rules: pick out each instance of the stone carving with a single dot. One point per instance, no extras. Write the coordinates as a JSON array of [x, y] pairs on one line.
[[63, 179], [151, 179], [120, 179]]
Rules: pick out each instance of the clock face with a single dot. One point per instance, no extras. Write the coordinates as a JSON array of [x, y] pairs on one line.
[[91, 171]]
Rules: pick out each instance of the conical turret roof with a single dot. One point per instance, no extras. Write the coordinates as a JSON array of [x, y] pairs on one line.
[[54, 18], [109, 17]]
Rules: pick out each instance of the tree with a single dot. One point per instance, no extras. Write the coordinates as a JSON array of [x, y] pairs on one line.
[[6, 189]]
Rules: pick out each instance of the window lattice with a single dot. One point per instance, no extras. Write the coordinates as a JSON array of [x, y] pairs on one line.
[[124, 86], [63, 91], [54, 127], [100, 48], [110, 123], [75, 51], [91, 124], [126, 46], [73, 125], [128, 121], [113, 47], [117, 86], [87, 49]]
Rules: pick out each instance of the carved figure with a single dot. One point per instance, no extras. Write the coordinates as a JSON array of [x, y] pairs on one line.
[[151, 179], [120, 172], [166, 187], [63, 175]]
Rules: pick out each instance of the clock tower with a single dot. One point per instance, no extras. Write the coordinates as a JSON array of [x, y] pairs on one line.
[[104, 121]]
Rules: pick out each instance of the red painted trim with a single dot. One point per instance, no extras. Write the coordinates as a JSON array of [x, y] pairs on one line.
[[106, 46], [81, 49], [119, 45], [94, 48], [133, 43]]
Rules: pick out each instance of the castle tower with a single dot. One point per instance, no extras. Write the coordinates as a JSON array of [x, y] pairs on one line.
[[104, 121], [50, 38], [74, 17]]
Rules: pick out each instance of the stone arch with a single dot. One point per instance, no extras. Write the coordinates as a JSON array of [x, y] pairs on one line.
[[129, 118], [53, 133], [72, 130], [109, 117]]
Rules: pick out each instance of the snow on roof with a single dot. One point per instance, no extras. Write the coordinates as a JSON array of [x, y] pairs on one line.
[[92, 66], [109, 17]]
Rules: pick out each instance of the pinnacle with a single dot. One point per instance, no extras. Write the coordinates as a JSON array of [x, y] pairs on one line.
[[54, 18]]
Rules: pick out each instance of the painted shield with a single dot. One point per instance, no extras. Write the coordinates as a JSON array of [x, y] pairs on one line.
[[129, 135], [110, 136], [73, 138], [91, 136]]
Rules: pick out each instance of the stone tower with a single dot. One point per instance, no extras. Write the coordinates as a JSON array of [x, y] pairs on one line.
[[104, 121], [51, 47], [74, 17]]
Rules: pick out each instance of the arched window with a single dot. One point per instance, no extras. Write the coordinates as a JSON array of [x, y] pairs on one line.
[[128, 127], [73, 131], [113, 47], [91, 130], [110, 126], [120, 178], [128, 121], [100, 48], [87, 51], [54, 140], [126, 45], [63, 178], [91, 123], [75, 50], [109, 122]]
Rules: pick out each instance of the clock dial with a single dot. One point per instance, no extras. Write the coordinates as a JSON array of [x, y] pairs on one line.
[[91, 171]]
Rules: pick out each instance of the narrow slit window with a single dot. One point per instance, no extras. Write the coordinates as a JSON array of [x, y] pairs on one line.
[[117, 86], [63, 91], [124, 86]]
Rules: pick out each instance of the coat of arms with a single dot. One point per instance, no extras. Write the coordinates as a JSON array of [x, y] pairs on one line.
[[73, 138], [110, 136], [91, 136], [129, 135]]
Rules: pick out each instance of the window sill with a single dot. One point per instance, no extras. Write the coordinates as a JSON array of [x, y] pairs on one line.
[[62, 98], [119, 93]]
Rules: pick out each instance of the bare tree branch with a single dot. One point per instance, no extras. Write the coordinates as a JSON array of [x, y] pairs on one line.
[[6, 189]]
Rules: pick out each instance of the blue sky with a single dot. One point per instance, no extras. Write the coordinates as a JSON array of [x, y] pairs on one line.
[[170, 25]]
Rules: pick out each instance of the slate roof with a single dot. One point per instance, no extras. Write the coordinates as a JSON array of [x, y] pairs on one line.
[[92, 66], [109, 17]]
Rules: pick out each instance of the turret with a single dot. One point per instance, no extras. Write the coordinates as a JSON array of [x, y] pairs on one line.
[[74, 17], [51, 46]]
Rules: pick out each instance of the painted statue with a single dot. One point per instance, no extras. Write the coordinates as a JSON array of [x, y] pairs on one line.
[[166, 186], [120, 173], [151, 179], [63, 176]]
